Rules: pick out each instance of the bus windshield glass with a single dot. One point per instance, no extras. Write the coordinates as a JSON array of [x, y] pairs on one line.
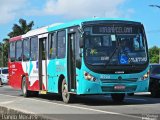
[[114, 45]]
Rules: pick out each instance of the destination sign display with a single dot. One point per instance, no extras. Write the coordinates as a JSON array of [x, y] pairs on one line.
[[114, 29]]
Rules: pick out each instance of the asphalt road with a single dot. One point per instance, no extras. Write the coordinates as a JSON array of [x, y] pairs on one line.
[[138, 107]]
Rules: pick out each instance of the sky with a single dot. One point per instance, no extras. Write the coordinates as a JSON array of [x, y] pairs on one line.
[[45, 12]]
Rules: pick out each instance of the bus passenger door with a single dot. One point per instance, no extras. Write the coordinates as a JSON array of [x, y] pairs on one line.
[[71, 62], [42, 63]]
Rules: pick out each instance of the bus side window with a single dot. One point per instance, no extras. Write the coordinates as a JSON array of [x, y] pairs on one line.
[[26, 49], [136, 44], [34, 48], [61, 44], [52, 46], [12, 51], [77, 51], [107, 41], [19, 51]]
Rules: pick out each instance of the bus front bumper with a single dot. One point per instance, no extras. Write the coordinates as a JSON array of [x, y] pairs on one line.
[[97, 88]]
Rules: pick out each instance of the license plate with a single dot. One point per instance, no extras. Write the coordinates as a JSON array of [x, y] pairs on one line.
[[119, 87]]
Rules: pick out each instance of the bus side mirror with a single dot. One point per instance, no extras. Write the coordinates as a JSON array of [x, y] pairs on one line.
[[81, 42]]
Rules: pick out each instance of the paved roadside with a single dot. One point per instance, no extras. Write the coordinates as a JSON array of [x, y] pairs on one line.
[[90, 107]]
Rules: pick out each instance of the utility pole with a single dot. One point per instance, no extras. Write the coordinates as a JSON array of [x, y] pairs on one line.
[[157, 6]]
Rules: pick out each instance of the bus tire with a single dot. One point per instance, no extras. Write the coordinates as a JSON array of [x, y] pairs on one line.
[[66, 96], [118, 97], [155, 89], [25, 91], [130, 94]]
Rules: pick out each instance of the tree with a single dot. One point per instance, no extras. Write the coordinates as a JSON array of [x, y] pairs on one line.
[[21, 29], [1, 49], [154, 54], [154, 51], [5, 51], [17, 30]]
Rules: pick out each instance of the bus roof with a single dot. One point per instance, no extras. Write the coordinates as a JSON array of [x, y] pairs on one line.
[[58, 26], [15, 38], [39, 30], [79, 22]]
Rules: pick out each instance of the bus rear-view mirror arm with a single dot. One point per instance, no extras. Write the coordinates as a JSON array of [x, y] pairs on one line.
[[81, 42], [81, 37]]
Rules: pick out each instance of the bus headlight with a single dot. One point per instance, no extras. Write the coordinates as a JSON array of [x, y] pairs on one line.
[[145, 76], [89, 77]]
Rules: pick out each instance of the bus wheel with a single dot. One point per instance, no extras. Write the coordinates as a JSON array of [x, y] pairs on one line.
[[118, 97], [25, 92], [130, 94], [67, 97], [155, 88]]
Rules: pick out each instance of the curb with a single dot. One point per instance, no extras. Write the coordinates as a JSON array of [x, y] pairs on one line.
[[11, 114]]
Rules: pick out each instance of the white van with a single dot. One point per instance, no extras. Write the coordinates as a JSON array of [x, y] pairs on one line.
[[4, 75]]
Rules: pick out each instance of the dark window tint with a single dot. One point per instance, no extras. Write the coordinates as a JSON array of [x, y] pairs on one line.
[[77, 50], [19, 50], [61, 44], [5, 71], [44, 49], [34, 48], [52, 46], [155, 69], [26, 49], [12, 51]]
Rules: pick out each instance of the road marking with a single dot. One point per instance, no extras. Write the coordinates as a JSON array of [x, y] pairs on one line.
[[10, 96], [7, 102], [90, 109], [78, 107]]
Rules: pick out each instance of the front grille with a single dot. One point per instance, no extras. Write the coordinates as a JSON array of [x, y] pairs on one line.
[[111, 89], [119, 81]]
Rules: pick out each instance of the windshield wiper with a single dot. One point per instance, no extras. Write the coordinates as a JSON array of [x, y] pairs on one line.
[[111, 56], [123, 52]]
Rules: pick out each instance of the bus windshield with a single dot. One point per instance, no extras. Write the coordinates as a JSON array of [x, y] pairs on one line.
[[114, 49]]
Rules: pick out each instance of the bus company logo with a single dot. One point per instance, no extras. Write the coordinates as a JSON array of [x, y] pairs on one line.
[[105, 77], [119, 78]]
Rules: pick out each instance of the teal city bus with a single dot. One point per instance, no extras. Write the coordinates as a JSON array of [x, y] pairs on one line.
[[95, 56]]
